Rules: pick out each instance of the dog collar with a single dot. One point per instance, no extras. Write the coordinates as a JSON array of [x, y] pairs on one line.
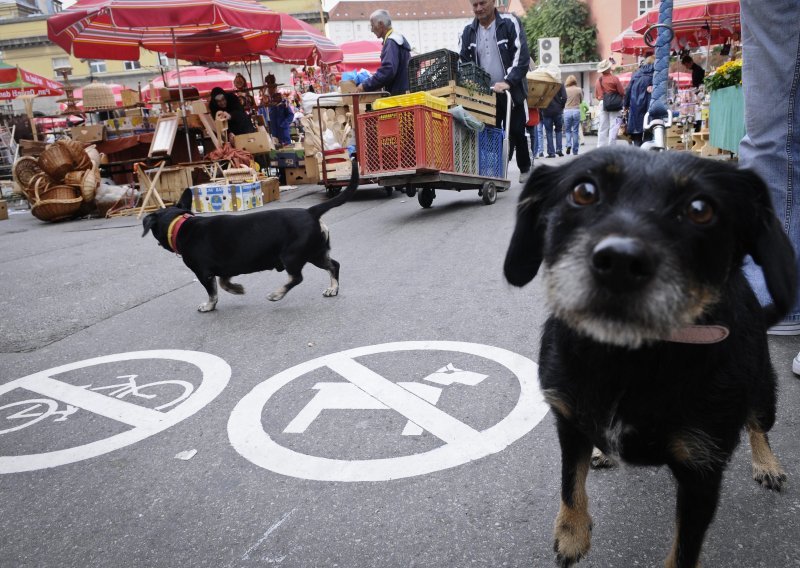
[[172, 231], [699, 334]]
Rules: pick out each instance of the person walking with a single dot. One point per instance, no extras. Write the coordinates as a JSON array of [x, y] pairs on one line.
[[771, 145], [553, 121], [572, 114], [496, 42], [392, 75], [609, 92], [637, 99]]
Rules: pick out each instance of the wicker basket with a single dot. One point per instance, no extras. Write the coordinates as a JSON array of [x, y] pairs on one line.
[[90, 182], [56, 161], [98, 95], [62, 203], [80, 158], [24, 169], [239, 175]]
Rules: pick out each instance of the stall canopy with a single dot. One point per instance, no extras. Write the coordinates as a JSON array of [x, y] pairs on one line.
[[364, 54], [202, 78], [684, 80], [15, 82], [630, 42], [697, 22], [303, 44]]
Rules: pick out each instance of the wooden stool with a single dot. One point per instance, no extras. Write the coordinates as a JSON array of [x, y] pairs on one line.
[[152, 192]]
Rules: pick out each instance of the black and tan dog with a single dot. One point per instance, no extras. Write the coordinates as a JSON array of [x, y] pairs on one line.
[[656, 349], [224, 246]]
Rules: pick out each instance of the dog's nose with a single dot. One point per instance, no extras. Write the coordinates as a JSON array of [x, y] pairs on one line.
[[623, 264]]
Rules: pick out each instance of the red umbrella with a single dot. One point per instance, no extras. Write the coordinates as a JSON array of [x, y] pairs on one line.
[[628, 41], [697, 22], [303, 44], [15, 82], [202, 78], [189, 29], [358, 54], [684, 80]]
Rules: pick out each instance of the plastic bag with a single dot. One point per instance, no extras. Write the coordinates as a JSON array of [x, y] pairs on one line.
[[329, 140], [309, 100], [466, 119]]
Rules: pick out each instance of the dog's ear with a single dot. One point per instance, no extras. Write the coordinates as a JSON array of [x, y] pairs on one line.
[[524, 254], [148, 223], [771, 249], [185, 202]]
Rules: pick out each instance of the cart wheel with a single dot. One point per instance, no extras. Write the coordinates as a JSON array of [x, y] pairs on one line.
[[410, 191], [425, 197], [388, 189], [331, 191], [489, 193]]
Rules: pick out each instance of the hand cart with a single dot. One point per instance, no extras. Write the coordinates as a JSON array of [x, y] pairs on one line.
[[424, 183], [334, 184]]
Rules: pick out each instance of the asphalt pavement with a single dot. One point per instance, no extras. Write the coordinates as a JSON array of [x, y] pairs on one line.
[[397, 424]]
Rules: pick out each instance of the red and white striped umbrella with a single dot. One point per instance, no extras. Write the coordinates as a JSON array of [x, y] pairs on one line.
[[684, 80], [15, 82], [630, 42], [187, 29], [697, 22], [202, 78], [361, 54], [303, 44]]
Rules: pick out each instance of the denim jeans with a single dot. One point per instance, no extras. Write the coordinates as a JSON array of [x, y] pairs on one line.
[[771, 146], [553, 125], [572, 124]]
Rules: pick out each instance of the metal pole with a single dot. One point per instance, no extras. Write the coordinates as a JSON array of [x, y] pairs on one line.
[[659, 115], [180, 95]]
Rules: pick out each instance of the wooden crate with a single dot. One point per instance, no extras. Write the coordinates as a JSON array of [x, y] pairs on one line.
[[482, 107], [171, 183], [541, 91]]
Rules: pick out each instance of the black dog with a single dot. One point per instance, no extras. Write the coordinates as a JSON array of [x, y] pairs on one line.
[[655, 350], [224, 246]]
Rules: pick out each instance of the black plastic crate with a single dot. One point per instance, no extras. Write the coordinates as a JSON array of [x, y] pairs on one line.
[[432, 70], [474, 79]]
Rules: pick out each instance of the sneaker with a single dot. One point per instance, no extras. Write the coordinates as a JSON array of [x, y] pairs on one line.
[[523, 176], [551, 155], [540, 155], [568, 150], [786, 327], [796, 365]]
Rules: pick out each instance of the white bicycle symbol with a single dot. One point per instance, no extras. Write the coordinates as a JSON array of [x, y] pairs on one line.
[[38, 409]]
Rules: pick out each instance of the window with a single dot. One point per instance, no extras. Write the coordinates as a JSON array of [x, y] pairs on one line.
[[97, 65], [132, 65], [165, 61], [59, 63], [644, 6]]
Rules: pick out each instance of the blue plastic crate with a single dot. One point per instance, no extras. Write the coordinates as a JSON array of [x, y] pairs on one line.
[[490, 152]]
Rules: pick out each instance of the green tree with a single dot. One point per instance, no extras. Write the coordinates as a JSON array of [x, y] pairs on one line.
[[569, 20]]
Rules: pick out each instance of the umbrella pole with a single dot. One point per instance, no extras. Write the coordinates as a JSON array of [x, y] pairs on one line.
[[180, 95]]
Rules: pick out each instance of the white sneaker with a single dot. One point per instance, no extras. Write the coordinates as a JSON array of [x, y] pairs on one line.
[[523, 178], [786, 327], [796, 365]]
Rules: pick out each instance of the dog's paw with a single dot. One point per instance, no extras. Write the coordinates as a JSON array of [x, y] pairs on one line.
[[332, 291], [207, 307], [602, 461], [572, 542], [770, 478], [275, 296]]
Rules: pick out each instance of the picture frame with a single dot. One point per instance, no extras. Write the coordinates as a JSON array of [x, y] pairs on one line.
[[164, 136]]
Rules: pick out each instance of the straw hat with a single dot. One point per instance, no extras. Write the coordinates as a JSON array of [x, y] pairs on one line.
[[603, 66]]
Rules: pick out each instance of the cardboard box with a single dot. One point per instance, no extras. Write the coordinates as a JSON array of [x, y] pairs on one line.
[[171, 183], [129, 97], [88, 133], [220, 197], [296, 176], [288, 160], [256, 142], [3, 210], [312, 169], [271, 189]]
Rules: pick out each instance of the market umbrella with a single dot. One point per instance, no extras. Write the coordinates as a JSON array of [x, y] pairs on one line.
[[630, 42], [15, 82], [303, 44], [361, 54], [697, 22], [684, 80], [202, 78]]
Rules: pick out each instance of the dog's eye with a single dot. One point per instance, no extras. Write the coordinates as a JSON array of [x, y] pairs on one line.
[[700, 212], [584, 194]]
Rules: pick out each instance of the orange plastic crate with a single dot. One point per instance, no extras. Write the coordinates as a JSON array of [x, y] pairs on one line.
[[405, 138]]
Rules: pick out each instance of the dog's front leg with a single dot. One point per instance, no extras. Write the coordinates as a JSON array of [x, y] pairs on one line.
[[573, 530], [698, 494], [209, 282], [294, 280]]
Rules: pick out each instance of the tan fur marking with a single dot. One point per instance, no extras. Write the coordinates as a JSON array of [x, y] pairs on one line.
[[695, 449], [765, 464], [573, 530], [555, 400]]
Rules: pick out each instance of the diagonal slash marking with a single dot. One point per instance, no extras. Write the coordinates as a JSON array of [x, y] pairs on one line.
[[125, 412], [420, 412]]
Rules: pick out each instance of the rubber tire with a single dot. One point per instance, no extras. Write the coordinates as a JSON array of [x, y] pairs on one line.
[[410, 190], [332, 191], [426, 197], [489, 193], [388, 189]]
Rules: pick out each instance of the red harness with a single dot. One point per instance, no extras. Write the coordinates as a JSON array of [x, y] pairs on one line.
[[172, 231]]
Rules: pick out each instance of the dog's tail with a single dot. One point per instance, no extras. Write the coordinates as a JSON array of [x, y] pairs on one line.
[[318, 211]]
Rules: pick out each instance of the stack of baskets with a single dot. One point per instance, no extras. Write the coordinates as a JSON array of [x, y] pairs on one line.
[[98, 96], [60, 181]]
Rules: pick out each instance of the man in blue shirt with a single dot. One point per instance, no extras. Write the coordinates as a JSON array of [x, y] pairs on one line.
[[392, 75]]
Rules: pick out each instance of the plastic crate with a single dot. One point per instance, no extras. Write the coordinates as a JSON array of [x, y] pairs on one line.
[[475, 79], [465, 150], [414, 99], [405, 138], [490, 152], [432, 70]]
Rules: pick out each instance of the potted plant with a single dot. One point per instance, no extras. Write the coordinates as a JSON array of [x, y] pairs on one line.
[[726, 109]]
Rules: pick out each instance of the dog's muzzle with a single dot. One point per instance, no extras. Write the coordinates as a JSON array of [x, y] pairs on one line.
[[623, 264]]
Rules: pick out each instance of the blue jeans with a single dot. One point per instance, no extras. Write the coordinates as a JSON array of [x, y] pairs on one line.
[[771, 146], [553, 124], [572, 122]]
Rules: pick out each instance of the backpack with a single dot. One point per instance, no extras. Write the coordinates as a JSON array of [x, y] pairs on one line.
[[612, 101]]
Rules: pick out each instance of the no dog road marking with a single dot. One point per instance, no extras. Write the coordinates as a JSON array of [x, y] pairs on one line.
[[365, 389], [41, 399]]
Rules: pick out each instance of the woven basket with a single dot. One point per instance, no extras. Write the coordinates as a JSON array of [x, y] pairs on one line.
[[98, 95], [90, 182], [62, 203], [24, 169], [239, 175], [56, 161], [80, 158], [93, 153]]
